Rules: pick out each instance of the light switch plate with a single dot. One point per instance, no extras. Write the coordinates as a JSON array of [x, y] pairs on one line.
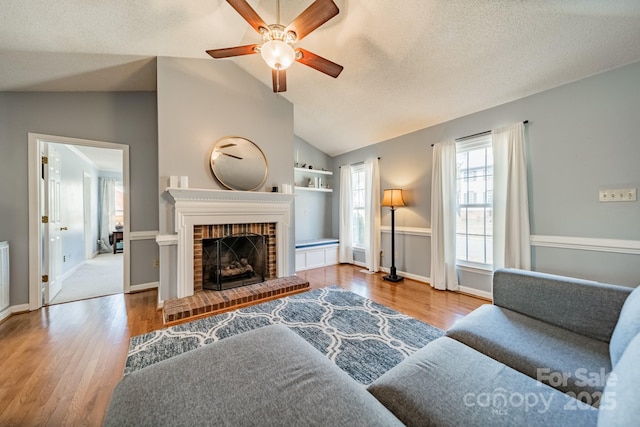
[[619, 195]]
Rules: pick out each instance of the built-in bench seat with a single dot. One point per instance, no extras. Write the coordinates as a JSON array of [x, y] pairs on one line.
[[316, 253]]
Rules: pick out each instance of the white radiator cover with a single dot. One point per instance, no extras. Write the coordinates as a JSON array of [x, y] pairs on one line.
[[4, 275]]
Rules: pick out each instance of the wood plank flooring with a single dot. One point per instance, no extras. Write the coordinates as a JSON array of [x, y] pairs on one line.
[[59, 365]]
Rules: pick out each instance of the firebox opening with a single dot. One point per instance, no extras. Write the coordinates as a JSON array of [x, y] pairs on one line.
[[232, 261]]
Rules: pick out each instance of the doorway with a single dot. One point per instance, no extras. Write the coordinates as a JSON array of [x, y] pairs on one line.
[[69, 216]]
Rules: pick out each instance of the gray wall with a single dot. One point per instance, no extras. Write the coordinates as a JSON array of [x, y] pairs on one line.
[[201, 101], [582, 138], [124, 117], [313, 209]]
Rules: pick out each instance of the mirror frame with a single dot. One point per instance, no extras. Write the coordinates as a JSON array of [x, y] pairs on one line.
[[248, 147]]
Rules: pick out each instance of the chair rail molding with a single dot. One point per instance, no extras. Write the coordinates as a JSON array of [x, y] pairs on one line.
[[631, 247], [410, 231], [143, 235]]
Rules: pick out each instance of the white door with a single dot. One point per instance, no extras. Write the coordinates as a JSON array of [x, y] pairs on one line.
[[53, 226]]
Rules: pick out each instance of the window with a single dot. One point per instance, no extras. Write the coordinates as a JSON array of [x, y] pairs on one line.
[[119, 203], [358, 199], [474, 216]]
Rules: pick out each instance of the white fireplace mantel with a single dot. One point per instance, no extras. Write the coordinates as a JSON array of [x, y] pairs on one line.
[[193, 206]]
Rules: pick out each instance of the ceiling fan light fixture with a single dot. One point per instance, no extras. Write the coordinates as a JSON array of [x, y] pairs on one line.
[[278, 54]]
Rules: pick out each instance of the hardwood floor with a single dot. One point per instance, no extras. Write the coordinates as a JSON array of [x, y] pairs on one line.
[[59, 365]]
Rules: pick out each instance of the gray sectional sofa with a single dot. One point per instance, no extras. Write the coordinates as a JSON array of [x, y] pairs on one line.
[[540, 355]]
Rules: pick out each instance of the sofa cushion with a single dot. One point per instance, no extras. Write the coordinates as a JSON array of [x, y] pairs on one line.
[[563, 359], [582, 306], [620, 405], [265, 377], [447, 383], [628, 326]]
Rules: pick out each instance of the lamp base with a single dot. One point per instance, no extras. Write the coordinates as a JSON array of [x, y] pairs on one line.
[[393, 278]]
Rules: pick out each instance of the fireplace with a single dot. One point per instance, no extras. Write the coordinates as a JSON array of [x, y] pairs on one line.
[[205, 213], [240, 245], [233, 261]]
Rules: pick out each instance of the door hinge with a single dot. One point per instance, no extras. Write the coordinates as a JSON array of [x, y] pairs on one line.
[[45, 278], [45, 160], [45, 219]]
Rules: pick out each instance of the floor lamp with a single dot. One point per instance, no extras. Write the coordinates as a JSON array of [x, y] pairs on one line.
[[393, 199]]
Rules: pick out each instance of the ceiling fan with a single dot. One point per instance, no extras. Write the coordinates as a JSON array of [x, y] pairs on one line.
[[277, 48]]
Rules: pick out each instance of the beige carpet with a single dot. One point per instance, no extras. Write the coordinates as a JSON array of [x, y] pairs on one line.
[[97, 277]]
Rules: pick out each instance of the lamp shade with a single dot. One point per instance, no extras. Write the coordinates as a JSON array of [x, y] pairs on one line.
[[278, 54], [393, 198]]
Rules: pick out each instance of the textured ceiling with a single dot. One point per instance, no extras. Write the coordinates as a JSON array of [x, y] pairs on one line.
[[408, 64]]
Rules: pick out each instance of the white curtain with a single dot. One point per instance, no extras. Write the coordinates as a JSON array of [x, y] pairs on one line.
[[345, 253], [107, 211], [511, 232], [443, 217], [372, 215]]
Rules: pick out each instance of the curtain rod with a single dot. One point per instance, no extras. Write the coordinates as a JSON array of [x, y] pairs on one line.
[[356, 163], [486, 132]]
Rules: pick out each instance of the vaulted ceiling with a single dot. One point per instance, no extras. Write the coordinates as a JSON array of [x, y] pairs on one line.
[[407, 64]]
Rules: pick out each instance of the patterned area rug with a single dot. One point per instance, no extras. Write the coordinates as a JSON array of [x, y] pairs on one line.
[[363, 338]]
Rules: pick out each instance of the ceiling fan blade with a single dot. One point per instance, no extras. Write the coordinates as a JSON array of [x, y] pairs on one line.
[[312, 17], [233, 51], [231, 155], [316, 62], [247, 12], [279, 80], [228, 145]]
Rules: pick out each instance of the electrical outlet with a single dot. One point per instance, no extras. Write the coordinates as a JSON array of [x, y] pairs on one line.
[[156, 263], [619, 195]]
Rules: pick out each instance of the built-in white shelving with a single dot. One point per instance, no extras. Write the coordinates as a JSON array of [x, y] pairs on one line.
[[323, 190], [318, 171], [304, 173]]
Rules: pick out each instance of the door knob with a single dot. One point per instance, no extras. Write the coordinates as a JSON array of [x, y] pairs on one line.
[[63, 228]]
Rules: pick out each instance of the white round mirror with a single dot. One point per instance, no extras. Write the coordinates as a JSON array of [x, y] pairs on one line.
[[238, 164]]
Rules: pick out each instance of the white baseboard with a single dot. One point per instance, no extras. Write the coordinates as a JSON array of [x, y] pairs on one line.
[[13, 309], [144, 286], [5, 313], [411, 276], [475, 292], [72, 270]]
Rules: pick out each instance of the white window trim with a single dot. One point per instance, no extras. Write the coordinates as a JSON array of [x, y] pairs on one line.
[[480, 142], [356, 168]]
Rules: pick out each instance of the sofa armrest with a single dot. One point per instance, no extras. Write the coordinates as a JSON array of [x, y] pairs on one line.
[[585, 307]]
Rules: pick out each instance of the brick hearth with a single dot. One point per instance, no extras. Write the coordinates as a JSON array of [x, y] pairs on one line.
[[206, 302]]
